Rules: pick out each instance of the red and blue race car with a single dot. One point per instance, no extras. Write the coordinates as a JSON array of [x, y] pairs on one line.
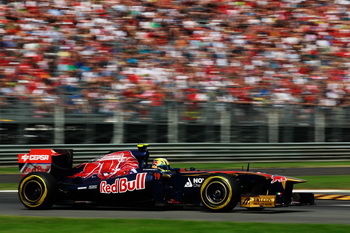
[[127, 178]]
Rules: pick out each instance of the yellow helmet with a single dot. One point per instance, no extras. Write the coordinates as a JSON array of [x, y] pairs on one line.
[[161, 164]]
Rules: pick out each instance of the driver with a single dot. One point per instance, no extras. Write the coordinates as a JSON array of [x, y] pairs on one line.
[[161, 164]]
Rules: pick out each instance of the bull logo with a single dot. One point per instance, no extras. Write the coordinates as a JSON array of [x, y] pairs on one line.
[[279, 179]]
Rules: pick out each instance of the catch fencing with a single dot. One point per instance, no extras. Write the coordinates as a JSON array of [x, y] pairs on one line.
[[200, 152], [22, 122]]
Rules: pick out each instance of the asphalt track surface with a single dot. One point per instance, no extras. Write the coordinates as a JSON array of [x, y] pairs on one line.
[[325, 211]]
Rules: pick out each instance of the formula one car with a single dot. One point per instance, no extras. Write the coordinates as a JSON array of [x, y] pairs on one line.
[[126, 178]]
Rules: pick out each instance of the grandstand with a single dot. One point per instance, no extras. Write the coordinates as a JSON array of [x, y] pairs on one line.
[[104, 62]]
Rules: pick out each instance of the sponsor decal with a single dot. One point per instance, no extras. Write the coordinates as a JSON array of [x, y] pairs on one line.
[[248, 200], [25, 158], [259, 201], [279, 179], [195, 183], [82, 188], [93, 186], [122, 185], [37, 156], [28, 168], [157, 176]]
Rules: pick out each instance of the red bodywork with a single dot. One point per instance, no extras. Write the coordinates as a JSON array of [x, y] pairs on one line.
[[109, 166], [37, 160]]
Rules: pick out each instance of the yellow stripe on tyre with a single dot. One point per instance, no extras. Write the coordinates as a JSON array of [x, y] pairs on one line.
[[228, 186], [24, 183]]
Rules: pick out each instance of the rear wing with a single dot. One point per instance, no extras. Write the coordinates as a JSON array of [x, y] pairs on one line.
[[54, 161]]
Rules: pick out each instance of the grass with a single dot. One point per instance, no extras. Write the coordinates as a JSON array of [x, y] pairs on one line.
[[47, 224], [9, 170], [325, 182], [257, 165], [8, 186]]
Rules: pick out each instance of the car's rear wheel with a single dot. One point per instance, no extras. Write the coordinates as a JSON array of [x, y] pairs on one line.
[[37, 190], [219, 192]]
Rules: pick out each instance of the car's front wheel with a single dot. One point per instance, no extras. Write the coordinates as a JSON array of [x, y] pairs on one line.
[[220, 192], [37, 190]]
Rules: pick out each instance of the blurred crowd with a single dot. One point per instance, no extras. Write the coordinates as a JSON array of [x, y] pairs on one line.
[[99, 53]]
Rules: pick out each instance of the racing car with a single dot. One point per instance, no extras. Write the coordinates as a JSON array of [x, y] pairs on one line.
[[128, 178]]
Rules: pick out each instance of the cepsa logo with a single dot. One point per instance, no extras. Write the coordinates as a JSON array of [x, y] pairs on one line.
[[37, 156], [123, 185], [28, 158]]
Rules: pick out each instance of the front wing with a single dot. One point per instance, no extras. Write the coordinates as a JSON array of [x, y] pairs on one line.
[[258, 201]]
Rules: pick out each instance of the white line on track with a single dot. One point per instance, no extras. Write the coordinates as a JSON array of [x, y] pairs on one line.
[[341, 205]]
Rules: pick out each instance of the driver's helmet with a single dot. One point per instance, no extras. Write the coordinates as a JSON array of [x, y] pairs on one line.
[[161, 164]]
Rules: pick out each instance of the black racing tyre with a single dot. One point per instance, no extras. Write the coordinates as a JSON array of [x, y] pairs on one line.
[[220, 193], [37, 190]]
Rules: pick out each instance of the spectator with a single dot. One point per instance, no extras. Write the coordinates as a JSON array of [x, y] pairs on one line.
[[151, 51]]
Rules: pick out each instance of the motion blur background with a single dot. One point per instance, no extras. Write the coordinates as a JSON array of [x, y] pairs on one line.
[[123, 71]]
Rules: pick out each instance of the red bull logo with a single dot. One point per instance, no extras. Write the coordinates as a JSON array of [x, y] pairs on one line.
[[37, 168], [122, 185]]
